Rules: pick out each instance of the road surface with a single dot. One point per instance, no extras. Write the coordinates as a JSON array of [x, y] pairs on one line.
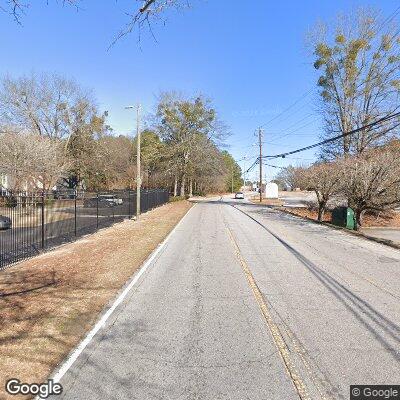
[[247, 303], [392, 234]]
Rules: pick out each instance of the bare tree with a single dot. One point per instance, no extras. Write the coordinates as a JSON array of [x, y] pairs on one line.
[[39, 103], [144, 14], [292, 177], [116, 164], [325, 179], [17, 8], [149, 12], [360, 80], [31, 161], [371, 181]]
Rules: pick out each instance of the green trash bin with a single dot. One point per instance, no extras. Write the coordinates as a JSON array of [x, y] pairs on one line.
[[344, 216]]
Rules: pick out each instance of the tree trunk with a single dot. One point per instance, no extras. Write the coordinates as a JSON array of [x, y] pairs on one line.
[[183, 183], [359, 218], [191, 188], [176, 186], [321, 210]]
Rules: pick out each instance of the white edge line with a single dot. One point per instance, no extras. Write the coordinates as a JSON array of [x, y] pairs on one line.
[[83, 344]]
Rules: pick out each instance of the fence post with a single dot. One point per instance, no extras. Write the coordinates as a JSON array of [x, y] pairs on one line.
[[42, 218], [129, 204], [113, 205], [97, 209], [75, 211]]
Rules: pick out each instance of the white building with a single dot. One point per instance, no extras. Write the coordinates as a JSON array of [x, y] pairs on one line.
[[271, 191], [4, 183]]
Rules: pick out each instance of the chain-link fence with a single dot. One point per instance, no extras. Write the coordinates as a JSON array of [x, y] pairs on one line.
[[33, 221]]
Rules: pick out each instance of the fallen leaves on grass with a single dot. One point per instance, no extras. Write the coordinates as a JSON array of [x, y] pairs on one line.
[[48, 303], [386, 219]]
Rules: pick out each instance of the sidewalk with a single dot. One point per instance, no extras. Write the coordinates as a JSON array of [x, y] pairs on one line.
[[392, 234]]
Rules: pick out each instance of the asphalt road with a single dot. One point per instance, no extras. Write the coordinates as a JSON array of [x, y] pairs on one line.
[[248, 303]]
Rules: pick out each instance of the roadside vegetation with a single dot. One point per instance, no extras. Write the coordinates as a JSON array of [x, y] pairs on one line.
[[358, 62], [52, 132]]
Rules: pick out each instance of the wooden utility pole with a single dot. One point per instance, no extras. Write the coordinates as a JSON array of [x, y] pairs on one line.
[[138, 167], [260, 134], [244, 173]]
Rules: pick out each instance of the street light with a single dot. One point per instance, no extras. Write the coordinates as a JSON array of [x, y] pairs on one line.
[[138, 173]]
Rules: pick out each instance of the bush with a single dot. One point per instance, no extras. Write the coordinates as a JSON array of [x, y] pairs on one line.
[[178, 198], [8, 201], [49, 202]]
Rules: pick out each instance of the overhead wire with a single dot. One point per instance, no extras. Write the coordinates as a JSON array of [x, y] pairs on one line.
[[304, 95], [368, 126]]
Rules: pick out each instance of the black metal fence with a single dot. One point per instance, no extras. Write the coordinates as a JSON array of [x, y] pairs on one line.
[[32, 222]]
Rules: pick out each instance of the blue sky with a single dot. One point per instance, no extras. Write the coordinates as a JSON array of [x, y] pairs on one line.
[[250, 60]]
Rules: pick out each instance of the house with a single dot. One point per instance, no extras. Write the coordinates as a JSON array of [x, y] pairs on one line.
[[4, 184], [7, 182]]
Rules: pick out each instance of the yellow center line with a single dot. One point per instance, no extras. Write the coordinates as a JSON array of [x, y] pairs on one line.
[[273, 327]]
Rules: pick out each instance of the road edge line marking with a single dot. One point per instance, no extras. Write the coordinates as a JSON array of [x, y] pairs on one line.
[[66, 365], [272, 326]]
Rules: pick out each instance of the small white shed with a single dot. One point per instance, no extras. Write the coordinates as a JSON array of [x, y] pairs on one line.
[[271, 190]]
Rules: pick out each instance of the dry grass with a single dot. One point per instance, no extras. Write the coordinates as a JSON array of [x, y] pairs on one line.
[[268, 202], [48, 303], [389, 219], [307, 213]]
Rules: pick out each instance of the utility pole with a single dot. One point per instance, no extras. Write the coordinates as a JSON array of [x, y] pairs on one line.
[[244, 173], [138, 167], [260, 134]]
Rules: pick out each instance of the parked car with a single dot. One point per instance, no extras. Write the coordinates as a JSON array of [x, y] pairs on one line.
[[105, 200], [239, 195], [5, 222], [64, 195]]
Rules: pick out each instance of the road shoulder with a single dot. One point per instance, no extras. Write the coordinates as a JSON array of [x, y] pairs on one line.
[[48, 303]]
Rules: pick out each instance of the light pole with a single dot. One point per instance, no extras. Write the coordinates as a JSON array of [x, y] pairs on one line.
[[138, 167]]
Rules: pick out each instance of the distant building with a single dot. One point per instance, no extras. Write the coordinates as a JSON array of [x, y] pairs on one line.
[[271, 191], [4, 184]]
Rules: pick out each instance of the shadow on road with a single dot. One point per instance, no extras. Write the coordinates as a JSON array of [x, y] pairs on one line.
[[358, 307]]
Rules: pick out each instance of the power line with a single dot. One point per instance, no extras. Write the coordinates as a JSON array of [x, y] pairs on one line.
[[253, 165], [388, 19], [289, 116], [288, 108], [291, 126], [273, 166], [369, 126], [292, 131]]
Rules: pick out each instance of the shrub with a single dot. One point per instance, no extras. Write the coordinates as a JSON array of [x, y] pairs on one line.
[[178, 198]]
